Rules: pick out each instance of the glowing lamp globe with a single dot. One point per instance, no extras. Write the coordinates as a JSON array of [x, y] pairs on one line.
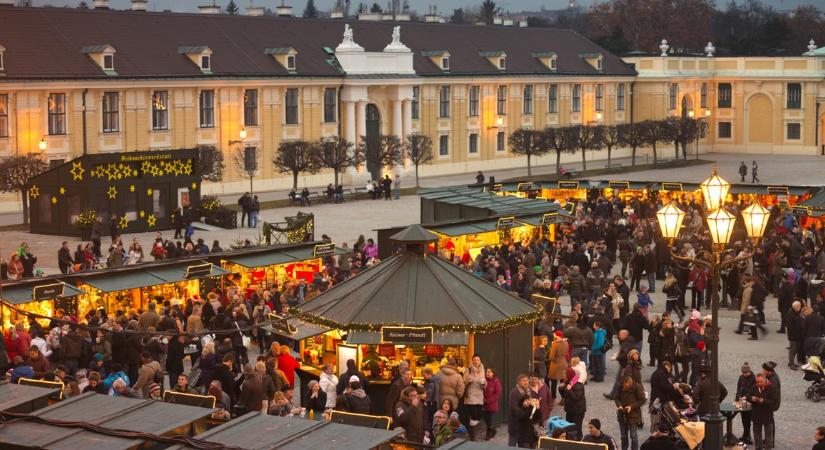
[[756, 220], [670, 220], [720, 223], [714, 190]]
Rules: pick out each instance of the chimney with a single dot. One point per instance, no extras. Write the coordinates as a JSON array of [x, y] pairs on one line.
[[209, 9], [283, 10], [255, 11], [336, 14], [507, 22], [6, 2], [139, 5], [101, 4], [522, 23]]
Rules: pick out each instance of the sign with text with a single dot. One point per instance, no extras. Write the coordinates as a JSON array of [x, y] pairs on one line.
[[526, 187], [506, 222], [281, 324], [620, 184], [671, 186], [800, 211], [323, 250], [568, 184], [47, 291], [414, 335], [550, 218], [386, 350], [495, 188], [778, 190], [197, 271]]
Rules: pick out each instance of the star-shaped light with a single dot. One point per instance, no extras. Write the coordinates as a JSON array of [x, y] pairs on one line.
[[77, 170], [131, 188], [112, 192], [62, 190], [142, 214], [187, 169], [149, 191], [54, 200], [151, 220], [34, 192], [123, 222], [134, 173], [194, 185]]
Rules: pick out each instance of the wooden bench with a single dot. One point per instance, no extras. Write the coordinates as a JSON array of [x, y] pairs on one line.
[[360, 192], [318, 197], [615, 167], [570, 174]]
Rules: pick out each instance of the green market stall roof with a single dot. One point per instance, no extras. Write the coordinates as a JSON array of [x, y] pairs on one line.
[[20, 397], [816, 202], [255, 431], [276, 256], [417, 289], [183, 272], [150, 275], [496, 205], [21, 294]]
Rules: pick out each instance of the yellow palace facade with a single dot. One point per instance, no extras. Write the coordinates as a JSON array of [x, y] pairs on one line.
[[76, 82]]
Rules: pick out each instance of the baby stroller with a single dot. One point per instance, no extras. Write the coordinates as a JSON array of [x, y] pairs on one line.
[[814, 372]]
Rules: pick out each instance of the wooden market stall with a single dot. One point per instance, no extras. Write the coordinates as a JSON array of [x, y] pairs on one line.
[[133, 287], [420, 308], [39, 296]]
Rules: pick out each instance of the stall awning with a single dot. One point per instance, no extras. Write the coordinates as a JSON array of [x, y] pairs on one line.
[[276, 257], [177, 273], [460, 229], [18, 295], [302, 330], [439, 338], [535, 219], [121, 281]]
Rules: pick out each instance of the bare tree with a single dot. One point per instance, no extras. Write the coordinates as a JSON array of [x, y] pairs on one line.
[[584, 138], [610, 139], [558, 140], [529, 143], [210, 160], [656, 131], [381, 151], [15, 173], [631, 135], [297, 157], [419, 150], [338, 154], [245, 160], [685, 130]]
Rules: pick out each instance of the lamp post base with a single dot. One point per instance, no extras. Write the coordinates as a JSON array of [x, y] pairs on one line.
[[713, 431]]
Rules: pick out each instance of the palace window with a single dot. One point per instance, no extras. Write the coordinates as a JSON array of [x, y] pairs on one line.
[[473, 144], [4, 115], [528, 99], [111, 112], [620, 97], [794, 131], [725, 95], [725, 130], [250, 107], [444, 102], [794, 95], [207, 109], [443, 145], [473, 101], [57, 114], [703, 96], [553, 99], [160, 110], [599, 97], [501, 101], [577, 98], [415, 105], [330, 104], [501, 141], [291, 106]]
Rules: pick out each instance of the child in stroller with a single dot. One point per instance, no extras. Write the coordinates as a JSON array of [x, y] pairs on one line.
[[814, 372]]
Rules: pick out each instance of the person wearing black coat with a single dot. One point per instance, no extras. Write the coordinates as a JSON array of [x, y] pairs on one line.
[[814, 328], [344, 379], [635, 323], [28, 260], [744, 385], [174, 358], [575, 402], [661, 386], [522, 413], [763, 398], [703, 392], [225, 374], [785, 301], [64, 258], [796, 334]]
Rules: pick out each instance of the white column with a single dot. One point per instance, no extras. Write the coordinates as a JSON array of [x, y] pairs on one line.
[[361, 120], [396, 119], [407, 117], [349, 117]]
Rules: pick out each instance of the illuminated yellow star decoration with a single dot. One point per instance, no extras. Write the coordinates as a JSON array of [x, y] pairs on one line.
[[132, 188], [112, 192], [123, 222], [149, 191], [62, 190], [54, 200], [194, 185], [142, 214], [151, 220], [77, 171], [34, 192]]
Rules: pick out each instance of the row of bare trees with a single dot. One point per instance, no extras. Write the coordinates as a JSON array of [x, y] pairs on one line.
[[679, 131], [338, 154]]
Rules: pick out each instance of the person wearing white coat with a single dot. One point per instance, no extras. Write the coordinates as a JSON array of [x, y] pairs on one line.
[[328, 384]]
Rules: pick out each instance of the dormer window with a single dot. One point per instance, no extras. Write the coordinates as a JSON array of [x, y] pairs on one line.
[[109, 62], [547, 58], [102, 55], [440, 58], [496, 58], [599, 64], [553, 65], [200, 56], [594, 59], [285, 56], [445, 63], [2, 59]]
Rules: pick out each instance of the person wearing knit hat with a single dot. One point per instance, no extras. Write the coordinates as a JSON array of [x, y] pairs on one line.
[[746, 368], [596, 436], [744, 385], [154, 391]]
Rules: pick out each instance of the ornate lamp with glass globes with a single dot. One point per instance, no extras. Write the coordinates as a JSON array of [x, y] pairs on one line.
[[720, 224]]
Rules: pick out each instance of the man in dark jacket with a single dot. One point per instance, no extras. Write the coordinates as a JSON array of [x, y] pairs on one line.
[[575, 402], [796, 334], [661, 387], [244, 202], [660, 440], [521, 405], [703, 391], [403, 382], [596, 436], [819, 435], [174, 358], [763, 398], [224, 374], [635, 323], [744, 386], [629, 411], [64, 258], [408, 414], [626, 344], [785, 300], [352, 371], [72, 347]]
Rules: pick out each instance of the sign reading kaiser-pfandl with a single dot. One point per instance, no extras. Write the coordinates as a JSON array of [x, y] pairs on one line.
[[418, 335]]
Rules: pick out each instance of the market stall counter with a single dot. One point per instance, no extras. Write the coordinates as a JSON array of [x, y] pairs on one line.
[[38, 296], [418, 308]]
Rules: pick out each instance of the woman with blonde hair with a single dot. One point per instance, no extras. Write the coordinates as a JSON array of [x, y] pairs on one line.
[[208, 360]]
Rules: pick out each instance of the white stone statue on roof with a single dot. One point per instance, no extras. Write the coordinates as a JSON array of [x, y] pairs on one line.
[[348, 44], [396, 46]]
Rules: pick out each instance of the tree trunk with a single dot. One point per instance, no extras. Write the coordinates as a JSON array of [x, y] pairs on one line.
[[335, 171], [609, 152], [584, 159], [250, 184], [558, 162], [654, 154], [529, 171], [416, 176], [633, 156], [24, 197], [677, 149], [294, 180]]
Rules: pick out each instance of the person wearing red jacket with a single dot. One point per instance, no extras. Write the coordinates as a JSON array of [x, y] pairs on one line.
[[287, 364], [492, 393], [697, 282]]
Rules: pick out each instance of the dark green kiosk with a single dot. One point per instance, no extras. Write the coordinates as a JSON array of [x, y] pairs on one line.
[[417, 307]]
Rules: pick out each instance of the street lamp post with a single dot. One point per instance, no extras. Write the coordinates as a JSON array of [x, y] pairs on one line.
[[720, 224]]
